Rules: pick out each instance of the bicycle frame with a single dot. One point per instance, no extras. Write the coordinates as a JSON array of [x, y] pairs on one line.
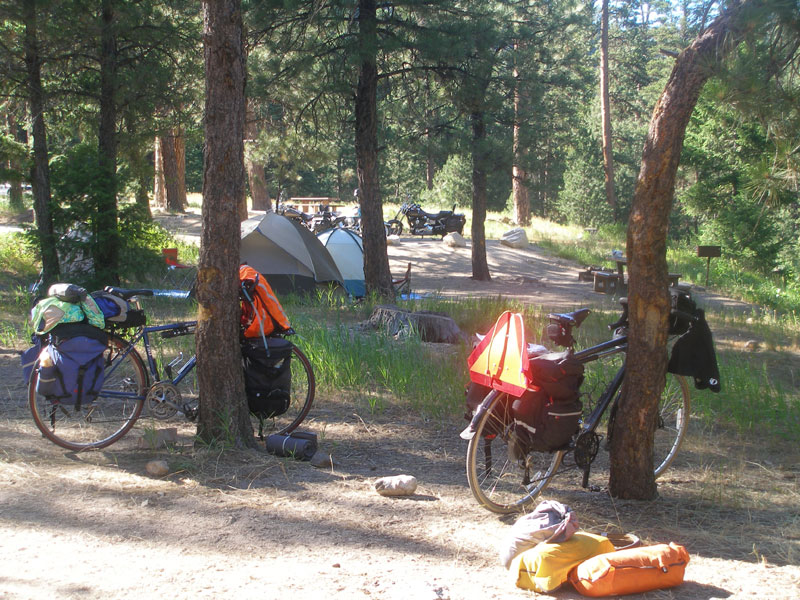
[[143, 335]]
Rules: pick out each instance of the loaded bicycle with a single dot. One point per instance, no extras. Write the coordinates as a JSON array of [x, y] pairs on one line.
[[508, 465], [134, 382]]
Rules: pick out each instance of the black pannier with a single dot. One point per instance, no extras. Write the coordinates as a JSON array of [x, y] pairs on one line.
[[558, 374], [542, 423], [267, 376], [546, 418]]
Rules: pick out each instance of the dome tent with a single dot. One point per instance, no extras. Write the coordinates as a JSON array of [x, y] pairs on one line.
[[287, 254], [347, 250]]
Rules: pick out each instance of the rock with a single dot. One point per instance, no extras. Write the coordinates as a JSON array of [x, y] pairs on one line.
[[752, 346], [397, 485], [157, 468], [322, 460], [393, 240], [515, 238], [455, 240]]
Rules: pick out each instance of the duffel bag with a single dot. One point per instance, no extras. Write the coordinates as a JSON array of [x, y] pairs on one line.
[[267, 376], [631, 571]]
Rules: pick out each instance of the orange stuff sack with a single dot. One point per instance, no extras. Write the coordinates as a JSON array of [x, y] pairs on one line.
[[631, 571], [262, 314]]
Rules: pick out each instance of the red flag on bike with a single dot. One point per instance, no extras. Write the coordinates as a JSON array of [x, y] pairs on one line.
[[500, 360]]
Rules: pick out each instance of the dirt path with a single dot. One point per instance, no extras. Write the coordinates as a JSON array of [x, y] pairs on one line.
[[249, 525]]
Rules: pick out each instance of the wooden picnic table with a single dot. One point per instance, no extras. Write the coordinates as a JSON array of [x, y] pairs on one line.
[[622, 261]]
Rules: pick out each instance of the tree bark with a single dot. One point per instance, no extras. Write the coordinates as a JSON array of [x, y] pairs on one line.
[[41, 168], [377, 276], [159, 185], [255, 170], [605, 111], [632, 442], [480, 266], [223, 413], [519, 176], [171, 169], [106, 242]]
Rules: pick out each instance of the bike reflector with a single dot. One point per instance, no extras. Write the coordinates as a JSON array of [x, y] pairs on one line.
[[500, 360]]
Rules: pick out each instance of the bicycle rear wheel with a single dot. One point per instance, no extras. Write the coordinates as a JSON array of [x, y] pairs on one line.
[[673, 420], [502, 475], [109, 417], [303, 389]]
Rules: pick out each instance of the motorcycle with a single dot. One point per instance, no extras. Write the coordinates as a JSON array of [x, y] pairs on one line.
[[424, 223], [318, 222]]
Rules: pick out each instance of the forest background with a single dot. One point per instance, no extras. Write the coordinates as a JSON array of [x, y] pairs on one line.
[[121, 85]]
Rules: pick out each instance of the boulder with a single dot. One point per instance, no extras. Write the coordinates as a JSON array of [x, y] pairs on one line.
[[515, 238], [455, 240]]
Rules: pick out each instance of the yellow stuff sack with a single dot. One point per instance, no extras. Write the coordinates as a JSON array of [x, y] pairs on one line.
[[545, 567], [631, 571]]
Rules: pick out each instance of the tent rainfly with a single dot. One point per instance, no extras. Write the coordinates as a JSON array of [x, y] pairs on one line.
[[347, 250], [287, 254]]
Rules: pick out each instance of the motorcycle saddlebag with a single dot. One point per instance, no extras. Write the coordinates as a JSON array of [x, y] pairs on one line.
[[455, 223], [631, 571]]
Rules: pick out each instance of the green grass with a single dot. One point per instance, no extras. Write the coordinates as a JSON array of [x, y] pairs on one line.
[[382, 370]]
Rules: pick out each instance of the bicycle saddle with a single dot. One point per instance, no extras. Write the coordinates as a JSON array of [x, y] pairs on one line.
[[574, 318]]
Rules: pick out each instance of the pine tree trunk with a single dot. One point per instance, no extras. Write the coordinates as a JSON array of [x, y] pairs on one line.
[[106, 243], [41, 169], [480, 266], [223, 411], [605, 111], [519, 175], [159, 185], [632, 443], [180, 163], [377, 277], [259, 193], [176, 196]]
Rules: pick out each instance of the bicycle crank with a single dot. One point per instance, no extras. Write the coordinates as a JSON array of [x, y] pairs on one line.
[[586, 447], [163, 400]]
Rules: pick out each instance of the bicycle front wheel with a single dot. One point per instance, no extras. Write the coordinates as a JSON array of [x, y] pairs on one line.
[[503, 475], [303, 388], [104, 421], [673, 420]]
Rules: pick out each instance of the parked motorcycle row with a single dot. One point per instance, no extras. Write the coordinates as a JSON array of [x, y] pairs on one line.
[[419, 221]]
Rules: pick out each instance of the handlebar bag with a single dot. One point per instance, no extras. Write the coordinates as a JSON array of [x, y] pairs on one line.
[[631, 571], [267, 376], [71, 367]]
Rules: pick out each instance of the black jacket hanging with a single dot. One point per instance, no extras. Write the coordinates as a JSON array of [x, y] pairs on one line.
[[693, 355]]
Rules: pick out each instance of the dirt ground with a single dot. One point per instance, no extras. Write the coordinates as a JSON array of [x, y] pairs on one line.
[[249, 525]]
